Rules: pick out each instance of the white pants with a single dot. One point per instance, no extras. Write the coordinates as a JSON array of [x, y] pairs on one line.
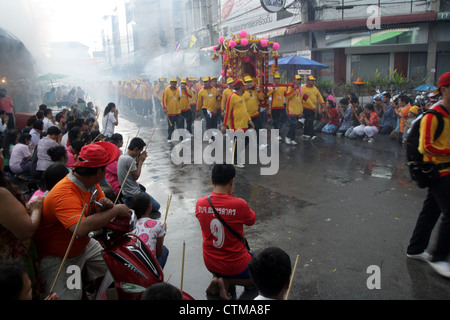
[[369, 131]]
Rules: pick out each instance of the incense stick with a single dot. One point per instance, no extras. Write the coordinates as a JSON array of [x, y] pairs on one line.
[[292, 278]]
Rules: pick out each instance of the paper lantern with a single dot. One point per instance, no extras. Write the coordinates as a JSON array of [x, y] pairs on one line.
[[232, 44], [276, 46], [244, 41], [221, 39], [263, 43], [243, 33]]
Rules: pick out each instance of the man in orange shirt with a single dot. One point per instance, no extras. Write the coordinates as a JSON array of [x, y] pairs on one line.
[[62, 208], [404, 103]]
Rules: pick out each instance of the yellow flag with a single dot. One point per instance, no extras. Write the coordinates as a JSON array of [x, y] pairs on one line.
[[193, 41]]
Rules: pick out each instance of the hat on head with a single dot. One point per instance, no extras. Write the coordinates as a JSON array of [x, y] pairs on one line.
[[173, 80], [248, 79], [230, 80], [298, 77], [311, 78], [238, 83], [183, 81], [97, 154], [444, 80], [277, 76], [414, 109]]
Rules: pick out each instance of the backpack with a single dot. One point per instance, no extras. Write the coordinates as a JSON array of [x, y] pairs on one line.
[[423, 172]]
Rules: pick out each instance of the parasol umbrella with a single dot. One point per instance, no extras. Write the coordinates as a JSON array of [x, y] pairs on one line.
[[426, 88], [297, 62], [51, 76]]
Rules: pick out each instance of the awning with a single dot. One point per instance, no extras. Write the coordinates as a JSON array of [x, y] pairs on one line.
[[377, 38], [272, 33], [361, 23]]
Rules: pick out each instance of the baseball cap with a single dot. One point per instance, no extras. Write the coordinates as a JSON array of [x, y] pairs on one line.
[[311, 78], [230, 80], [444, 80], [97, 154], [414, 109], [238, 83], [248, 79], [298, 77]]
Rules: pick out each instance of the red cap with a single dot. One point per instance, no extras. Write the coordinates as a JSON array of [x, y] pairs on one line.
[[97, 154], [444, 80], [238, 83]]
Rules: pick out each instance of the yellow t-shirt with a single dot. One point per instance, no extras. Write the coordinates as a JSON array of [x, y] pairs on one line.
[[171, 101], [278, 94], [207, 100], [294, 101], [251, 98], [314, 96], [236, 116]]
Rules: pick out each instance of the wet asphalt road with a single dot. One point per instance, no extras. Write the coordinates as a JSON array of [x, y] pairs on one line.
[[341, 206]]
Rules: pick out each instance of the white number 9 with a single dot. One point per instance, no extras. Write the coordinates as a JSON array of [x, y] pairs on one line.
[[217, 231]]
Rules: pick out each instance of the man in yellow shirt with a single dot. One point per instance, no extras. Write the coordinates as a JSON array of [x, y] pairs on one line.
[[185, 107], [309, 107], [225, 94], [236, 116], [207, 101], [277, 108], [147, 97], [294, 108], [252, 97], [170, 102]]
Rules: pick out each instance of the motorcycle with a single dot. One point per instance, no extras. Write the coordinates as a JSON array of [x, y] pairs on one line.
[[132, 266]]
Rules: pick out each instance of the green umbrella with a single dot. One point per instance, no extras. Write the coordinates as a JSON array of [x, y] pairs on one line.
[[51, 76]]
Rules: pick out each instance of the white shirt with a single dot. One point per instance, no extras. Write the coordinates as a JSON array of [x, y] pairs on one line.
[[108, 123]]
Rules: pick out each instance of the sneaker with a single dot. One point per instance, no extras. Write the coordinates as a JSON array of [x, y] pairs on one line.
[[293, 142], [313, 137], [306, 137], [424, 256], [279, 138], [240, 165], [370, 140], [262, 147], [441, 267], [365, 138], [288, 141], [169, 141]]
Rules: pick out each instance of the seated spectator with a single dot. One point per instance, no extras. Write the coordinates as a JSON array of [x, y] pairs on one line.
[[36, 132], [148, 229], [224, 255], [270, 270], [21, 155], [322, 112], [15, 284], [18, 222], [11, 139], [162, 291], [388, 118], [111, 169], [333, 118], [134, 158], [48, 120], [73, 151], [356, 112], [52, 139], [58, 154], [413, 113], [345, 113], [369, 123]]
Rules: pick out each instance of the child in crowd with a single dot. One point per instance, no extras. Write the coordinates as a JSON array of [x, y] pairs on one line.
[[412, 115], [333, 118], [162, 291], [270, 270], [149, 230]]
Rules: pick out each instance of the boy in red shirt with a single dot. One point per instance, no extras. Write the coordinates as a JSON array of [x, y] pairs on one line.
[[225, 256]]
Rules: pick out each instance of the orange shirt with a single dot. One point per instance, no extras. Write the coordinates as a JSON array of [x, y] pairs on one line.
[[404, 112], [62, 208]]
